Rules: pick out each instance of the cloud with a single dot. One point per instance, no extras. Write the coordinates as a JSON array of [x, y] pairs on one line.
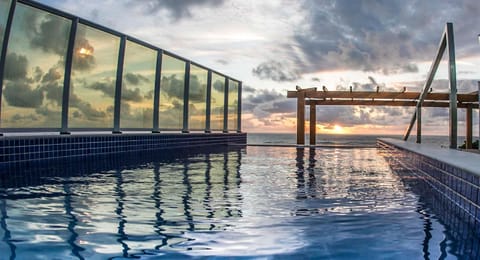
[[51, 35], [222, 62], [107, 88], [198, 90], [85, 109], [19, 94], [54, 92], [15, 66], [176, 9], [83, 59], [172, 87], [132, 95], [135, 79], [219, 85], [410, 68], [248, 89], [383, 37], [275, 71], [52, 75]]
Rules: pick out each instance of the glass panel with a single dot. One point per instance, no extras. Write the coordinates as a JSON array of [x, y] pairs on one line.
[[92, 87], [217, 102], [34, 69], [4, 8], [197, 98], [171, 93], [138, 86], [232, 104]]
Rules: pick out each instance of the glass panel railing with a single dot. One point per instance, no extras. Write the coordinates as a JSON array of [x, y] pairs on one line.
[[35, 62], [217, 102], [34, 69], [4, 8], [138, 86], [197, 98], [92, 87], [172, 89]]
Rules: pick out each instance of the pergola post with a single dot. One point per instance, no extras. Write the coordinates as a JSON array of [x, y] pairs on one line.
[[301, 118], [469, 128], [313, 123]]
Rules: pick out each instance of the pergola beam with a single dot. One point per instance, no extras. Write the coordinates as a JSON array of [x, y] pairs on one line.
[[471, 97], [337, 102]]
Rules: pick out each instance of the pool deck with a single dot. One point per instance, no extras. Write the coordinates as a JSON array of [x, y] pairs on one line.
[[459, 159]]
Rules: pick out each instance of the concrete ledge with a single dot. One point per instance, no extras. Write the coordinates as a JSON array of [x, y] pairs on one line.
[[459, 159]]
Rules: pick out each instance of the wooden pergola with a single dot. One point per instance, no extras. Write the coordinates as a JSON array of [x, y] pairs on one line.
[[424, 98], [312, 98]]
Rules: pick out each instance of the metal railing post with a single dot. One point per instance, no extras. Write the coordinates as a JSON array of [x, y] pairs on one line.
[[208, 107], [118, 86], [3, 55], [239, 108], [225, 106], [186, 97], [156, 92], [67, 77]]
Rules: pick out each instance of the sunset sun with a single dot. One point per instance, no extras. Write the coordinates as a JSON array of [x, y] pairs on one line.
[[338, 129]]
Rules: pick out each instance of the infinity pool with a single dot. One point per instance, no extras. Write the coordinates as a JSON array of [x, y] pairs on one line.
[[259, 202]]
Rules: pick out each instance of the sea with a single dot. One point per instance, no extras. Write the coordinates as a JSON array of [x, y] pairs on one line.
[[343, 139]]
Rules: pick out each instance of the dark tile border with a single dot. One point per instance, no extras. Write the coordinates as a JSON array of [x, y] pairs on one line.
[[26, 151], [457, 185]]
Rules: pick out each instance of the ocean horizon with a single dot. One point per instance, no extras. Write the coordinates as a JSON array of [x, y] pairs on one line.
[[343, 139]]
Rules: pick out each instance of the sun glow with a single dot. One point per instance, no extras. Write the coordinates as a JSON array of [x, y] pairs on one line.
[[85, 52], [338, 129]]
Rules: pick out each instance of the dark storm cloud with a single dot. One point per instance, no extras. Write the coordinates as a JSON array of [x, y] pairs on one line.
[[37, 74], [86, 110], [20, 94], [248, 89], [176, 9], [443, 85], [275, 71], [107, 88], [132, 95], [172, 87], [51, 36], [219, 85], [52, 75], [380, 36], [15, 66], [54, 92], [135, 79], [197, 90]]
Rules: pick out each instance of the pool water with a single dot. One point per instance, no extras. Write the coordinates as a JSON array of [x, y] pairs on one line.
[[258, 202]]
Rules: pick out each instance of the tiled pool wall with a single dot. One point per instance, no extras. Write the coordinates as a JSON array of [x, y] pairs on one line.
[[27, 151], [454, 192]]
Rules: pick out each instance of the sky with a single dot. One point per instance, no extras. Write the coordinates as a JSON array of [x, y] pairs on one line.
[[274, 45]]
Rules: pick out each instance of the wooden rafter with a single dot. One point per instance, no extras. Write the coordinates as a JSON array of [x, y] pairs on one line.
[[470, 97]]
